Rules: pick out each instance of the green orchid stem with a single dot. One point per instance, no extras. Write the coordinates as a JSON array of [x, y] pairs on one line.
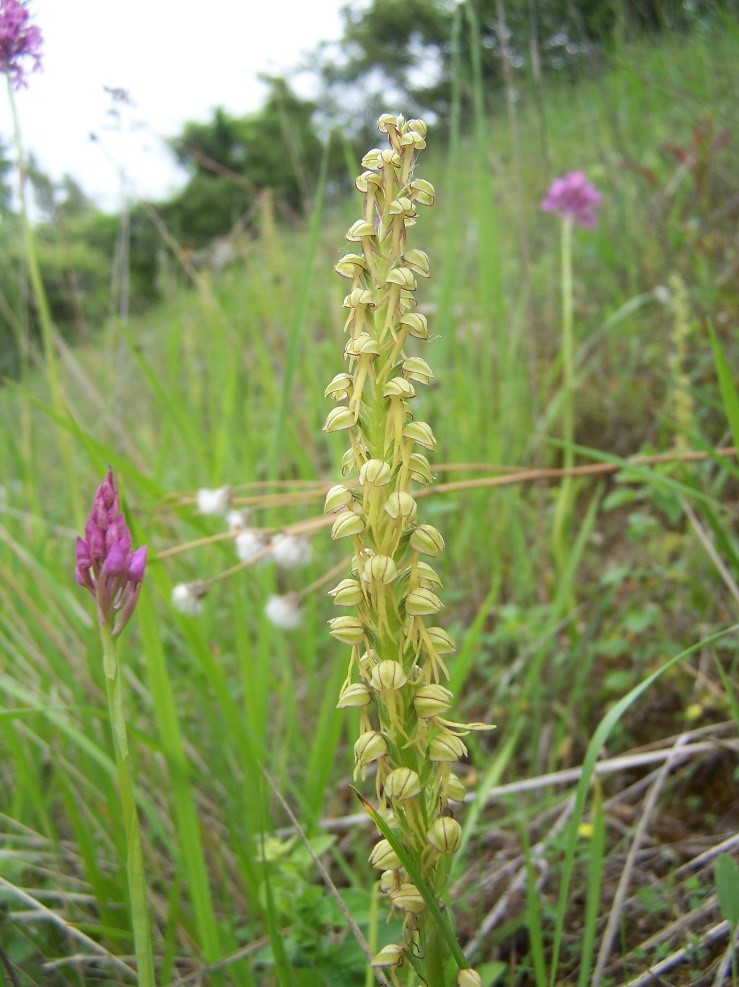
[[134, 851], [44, 315], [568, 347], [437, 953], [437, 935], [565, 498]]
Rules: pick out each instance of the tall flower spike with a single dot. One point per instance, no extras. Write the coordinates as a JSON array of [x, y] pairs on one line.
[[396, 659], [106, 564], [19, 41]]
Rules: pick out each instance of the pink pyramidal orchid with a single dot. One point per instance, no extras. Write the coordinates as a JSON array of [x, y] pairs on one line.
[[573, 197], [18, 40], [106, 564]]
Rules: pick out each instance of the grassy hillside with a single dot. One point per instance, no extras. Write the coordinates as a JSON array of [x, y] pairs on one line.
[[621, 644]]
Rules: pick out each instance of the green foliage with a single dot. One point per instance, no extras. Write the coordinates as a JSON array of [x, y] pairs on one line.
[[75, 253], [404, 51], [193, 394], [231, 159], [313, 917], [727, 885]]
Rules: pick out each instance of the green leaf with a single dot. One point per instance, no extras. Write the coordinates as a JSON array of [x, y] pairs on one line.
[[414, 872], [490, 973], [603, 731], [727, 886], [729, 392]]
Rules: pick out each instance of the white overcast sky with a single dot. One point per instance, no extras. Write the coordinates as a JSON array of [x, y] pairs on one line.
[[178, 59]]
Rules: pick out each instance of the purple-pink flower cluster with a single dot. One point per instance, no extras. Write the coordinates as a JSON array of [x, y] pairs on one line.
[[18, 40], [573, 197], [106, 564]]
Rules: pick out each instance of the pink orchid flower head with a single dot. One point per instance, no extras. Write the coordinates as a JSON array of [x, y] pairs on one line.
[[19, 40], [573, 197], [106, 564]]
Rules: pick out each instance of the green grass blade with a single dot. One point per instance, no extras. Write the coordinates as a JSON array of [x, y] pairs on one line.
[[442, 925], [727, 386], [595, 873], [186, 816], [299, 315], [533, 914], [604, 730]]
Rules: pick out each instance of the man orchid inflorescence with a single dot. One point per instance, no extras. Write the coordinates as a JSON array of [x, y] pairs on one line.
[[397, 664]]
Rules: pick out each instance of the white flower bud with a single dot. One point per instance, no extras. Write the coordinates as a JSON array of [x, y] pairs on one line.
[[388, 121], [414, 368], [348, 630], [339, 419], [416, 323], [426, 576], [389, 880], [380, 569], [249, 544], [348, 462], [389, 158], [338, 496], [440, 640], [356, 694], [347, 593], [403, 277], [422, 602], [418, 262], [427, 540], [391, 955], [399, 387], [362, 345], [290, 551], [455, 789], [359, 296], [350, 265], [402, 783], [422, 192], [213, 501], [384, 857], [421, 434], [432, 700], [375, 473], [237, 520], [400, 505], [188, 597], [369, 747], [367, 179], [446, 747], [284, 611], [420, 470], [346, 525], [469, 978], [445, 835], [359, 230], [408, 898], [417, 127], [388, 675], [340, 387]]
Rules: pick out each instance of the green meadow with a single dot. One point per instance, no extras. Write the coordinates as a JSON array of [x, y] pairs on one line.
[[600, 833]]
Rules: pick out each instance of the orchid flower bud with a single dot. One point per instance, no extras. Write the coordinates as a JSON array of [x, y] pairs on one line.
[[105, 564]]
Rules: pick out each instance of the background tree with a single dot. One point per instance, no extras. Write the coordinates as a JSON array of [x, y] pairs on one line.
[[399, 53], [231, 159]]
